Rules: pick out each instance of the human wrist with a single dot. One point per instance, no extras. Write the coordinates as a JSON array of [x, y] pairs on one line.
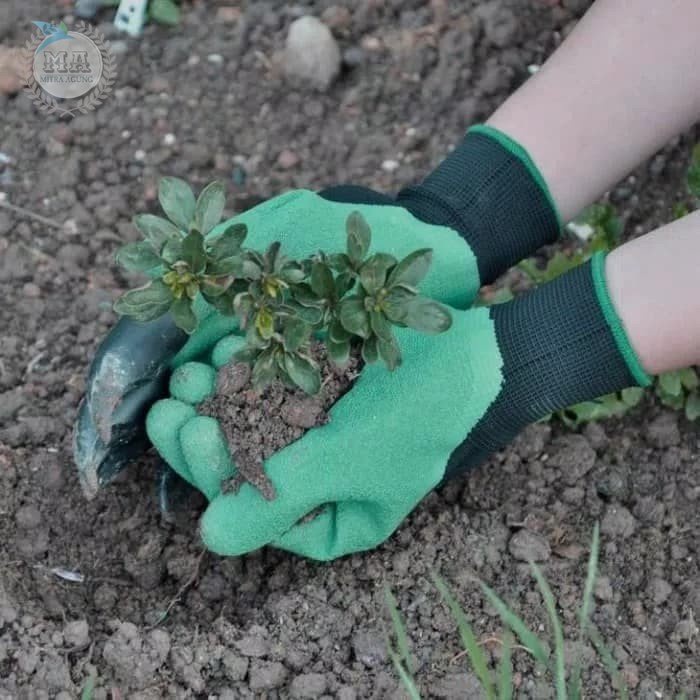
[[490, 191]]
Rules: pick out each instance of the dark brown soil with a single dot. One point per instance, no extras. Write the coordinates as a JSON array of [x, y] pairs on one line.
[[150, 617], [259, 423]]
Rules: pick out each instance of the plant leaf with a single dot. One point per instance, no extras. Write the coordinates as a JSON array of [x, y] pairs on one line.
[[177, 199], [339, 352], [223, 304], [265, 368], [396, 304], [475, 652], [689, 378], [354, 317], [337, 333], [380, 325], [526, 636], [265, 323], [183, 315], [399, 628], [374, 271], [412, 269], [305, 296], [164, 12], [359, 237], [344, 283], [145, 303], [229, 242], [209, 207], [303, 373], [632, 395], [292, 273], [390, 352], [138, 257], [295, 334], [370, 354], [340, 262], [692, 406], [225, 267], [193, 252], [172, 250], [427, 316], [670, 383], [156, 230], [322, 281], [215, 286]]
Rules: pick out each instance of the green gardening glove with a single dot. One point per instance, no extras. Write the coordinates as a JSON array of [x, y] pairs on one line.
[[395, 436]]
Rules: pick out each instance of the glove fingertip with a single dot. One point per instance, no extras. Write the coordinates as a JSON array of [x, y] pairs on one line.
[[163, 424], [193, 382], [207, 454], [225, 349]]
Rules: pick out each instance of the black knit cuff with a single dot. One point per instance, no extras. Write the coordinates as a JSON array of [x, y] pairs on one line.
[[558, 349], [489, 190]]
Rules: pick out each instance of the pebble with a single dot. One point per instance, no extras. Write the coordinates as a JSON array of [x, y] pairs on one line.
[[308, 685], [603, 589], [526, 545], [353, 56], [573, 456], [311, 53], [28, 517], [663, 431], [169, 139], [215, 58], [77, 633], [336, 17], [370, 648], [287, 159], [390, 166], [301, 413], [266, 675], [197, 154], [499, 22], [618, 522]]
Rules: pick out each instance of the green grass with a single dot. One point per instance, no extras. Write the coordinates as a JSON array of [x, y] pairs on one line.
[[497, 684]]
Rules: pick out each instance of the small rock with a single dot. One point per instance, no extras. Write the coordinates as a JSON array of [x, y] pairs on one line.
[[311, 53], [573, 456], [235, 667], [390, 166], [336, 17], [232, 377], [659, 590], [77, 634], [526, 545], [253, 645], [618, 522], [603, 590], [11, 70], [500, 23], [266, 675], [353, 56], [370, 648], [301, 413], [28, 517], [287, 159], [308, 685], [614, 484], [663, 431], [196, 154]]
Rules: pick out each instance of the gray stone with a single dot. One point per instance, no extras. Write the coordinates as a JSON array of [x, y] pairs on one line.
[[311, 53], [526, 545], [309, 685], [266, 675]]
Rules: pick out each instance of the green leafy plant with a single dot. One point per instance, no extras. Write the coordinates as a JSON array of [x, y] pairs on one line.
[[354, 298], [497, 684]]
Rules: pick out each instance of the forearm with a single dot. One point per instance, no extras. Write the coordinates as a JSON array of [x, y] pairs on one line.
[[622, 84], [654, 284]]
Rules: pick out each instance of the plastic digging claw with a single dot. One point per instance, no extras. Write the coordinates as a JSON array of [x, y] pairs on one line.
[[130, 371]]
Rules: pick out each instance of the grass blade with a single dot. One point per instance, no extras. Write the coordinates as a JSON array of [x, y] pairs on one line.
[[505, 670], [608, 661], [585, 612], [559, 672], [525, 635], [88, 689], [399, 629], [405, 676], [475, 652]]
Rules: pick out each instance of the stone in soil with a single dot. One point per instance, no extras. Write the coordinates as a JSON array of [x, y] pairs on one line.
[[258, 423], [311, 54]]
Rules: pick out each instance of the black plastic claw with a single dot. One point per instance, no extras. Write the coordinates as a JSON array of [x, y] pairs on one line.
[[129, 372]]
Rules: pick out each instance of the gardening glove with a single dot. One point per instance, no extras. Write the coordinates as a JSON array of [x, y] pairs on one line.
[[395, 436], [482, 210]]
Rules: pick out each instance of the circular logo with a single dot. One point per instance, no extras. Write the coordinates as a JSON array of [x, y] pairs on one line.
[[69, 67], [68, 72]]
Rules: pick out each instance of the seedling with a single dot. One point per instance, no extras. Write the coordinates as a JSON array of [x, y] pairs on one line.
[[351, 300]]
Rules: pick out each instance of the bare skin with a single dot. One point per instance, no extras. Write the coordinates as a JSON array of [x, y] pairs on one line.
[[622, 85]]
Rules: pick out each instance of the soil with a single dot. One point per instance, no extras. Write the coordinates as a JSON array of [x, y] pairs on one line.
[[257, 424], [111, 589]]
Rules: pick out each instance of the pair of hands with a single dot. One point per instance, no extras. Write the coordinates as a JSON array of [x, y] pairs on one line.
[[389, 439]]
